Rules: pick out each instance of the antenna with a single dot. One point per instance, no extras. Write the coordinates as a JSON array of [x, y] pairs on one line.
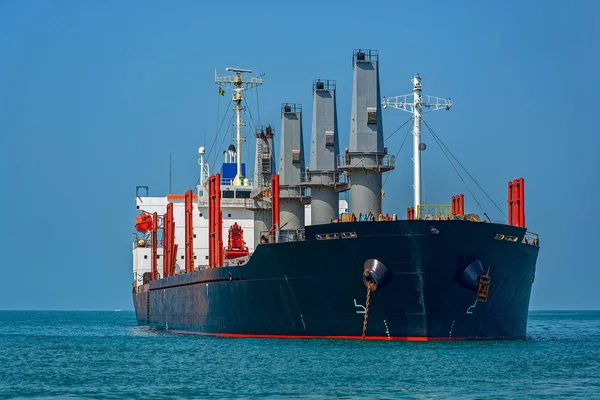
[[238, 83], [204, 173], [238, 70], [413, 103]]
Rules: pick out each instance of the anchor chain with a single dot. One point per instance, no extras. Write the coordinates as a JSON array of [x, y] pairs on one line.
[[374, 276], [364, 330], [366, 313]]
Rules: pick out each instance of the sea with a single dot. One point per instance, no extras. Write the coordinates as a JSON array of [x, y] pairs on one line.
[[105, 355]]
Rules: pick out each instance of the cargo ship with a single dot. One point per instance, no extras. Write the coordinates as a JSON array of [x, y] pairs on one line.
[[309, 251]]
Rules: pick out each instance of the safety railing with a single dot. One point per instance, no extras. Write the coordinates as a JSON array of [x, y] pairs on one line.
[[229, 182], [365, 55], [323, 84], [203, 202], [264, 131], [231, 79], [366, 161], [254, 204], [323, 178], [283, 236], [293, 191], [143, 242], [291, 108], [370, 217], [433, 211], [531, 238]]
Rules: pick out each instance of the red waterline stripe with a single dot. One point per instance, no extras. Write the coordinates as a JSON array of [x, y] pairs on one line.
[[247, 336]]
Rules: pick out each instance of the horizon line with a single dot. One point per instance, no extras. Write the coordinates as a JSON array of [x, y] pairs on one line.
[[132, 310]]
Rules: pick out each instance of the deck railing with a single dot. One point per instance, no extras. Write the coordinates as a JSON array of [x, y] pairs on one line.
[[382, 162], [329, 177], [433, 211], [531, 239], [282, 236]]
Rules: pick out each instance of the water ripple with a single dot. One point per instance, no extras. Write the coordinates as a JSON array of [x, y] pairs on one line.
[[105, 355]]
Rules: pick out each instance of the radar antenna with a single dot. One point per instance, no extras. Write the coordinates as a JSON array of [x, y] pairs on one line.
[[413, 103], [238, 83]]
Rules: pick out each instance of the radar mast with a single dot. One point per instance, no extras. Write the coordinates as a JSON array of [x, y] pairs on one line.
[[413, 104], [238, 83]]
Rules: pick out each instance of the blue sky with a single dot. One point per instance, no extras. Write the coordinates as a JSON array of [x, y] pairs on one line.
[[95, 95]]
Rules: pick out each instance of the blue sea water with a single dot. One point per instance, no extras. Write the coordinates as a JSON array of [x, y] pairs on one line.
[[105, 355]]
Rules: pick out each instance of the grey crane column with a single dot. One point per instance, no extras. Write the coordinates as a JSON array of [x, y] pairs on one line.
[[366, 158], [291, 165], [264, 168], [323, 175]]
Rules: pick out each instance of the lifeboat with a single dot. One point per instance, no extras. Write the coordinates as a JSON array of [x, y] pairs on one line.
[[236, 244], [143, 223]]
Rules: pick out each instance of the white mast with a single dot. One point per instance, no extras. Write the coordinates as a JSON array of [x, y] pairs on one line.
[[204, 172], [235, 83], [415, 107]]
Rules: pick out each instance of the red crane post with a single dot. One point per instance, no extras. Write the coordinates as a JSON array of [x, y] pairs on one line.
[[275, 211], [174, 254], [154, 263], [458, 204], [454, 210], [168, 240], [211, 221], [516, 203], [522, 200], [510, 203], [219, 222], [189, 233], [215, 222], [166, 248]]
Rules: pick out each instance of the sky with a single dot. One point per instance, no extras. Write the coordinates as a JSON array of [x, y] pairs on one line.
[[95, 96]]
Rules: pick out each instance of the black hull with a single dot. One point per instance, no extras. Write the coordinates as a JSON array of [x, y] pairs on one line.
[[308, 289]]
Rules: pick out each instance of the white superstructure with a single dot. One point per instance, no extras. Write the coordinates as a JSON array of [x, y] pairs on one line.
[[234, 209]]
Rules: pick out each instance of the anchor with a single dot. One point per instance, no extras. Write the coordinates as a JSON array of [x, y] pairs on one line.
[[483, 287], [375, 275]]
